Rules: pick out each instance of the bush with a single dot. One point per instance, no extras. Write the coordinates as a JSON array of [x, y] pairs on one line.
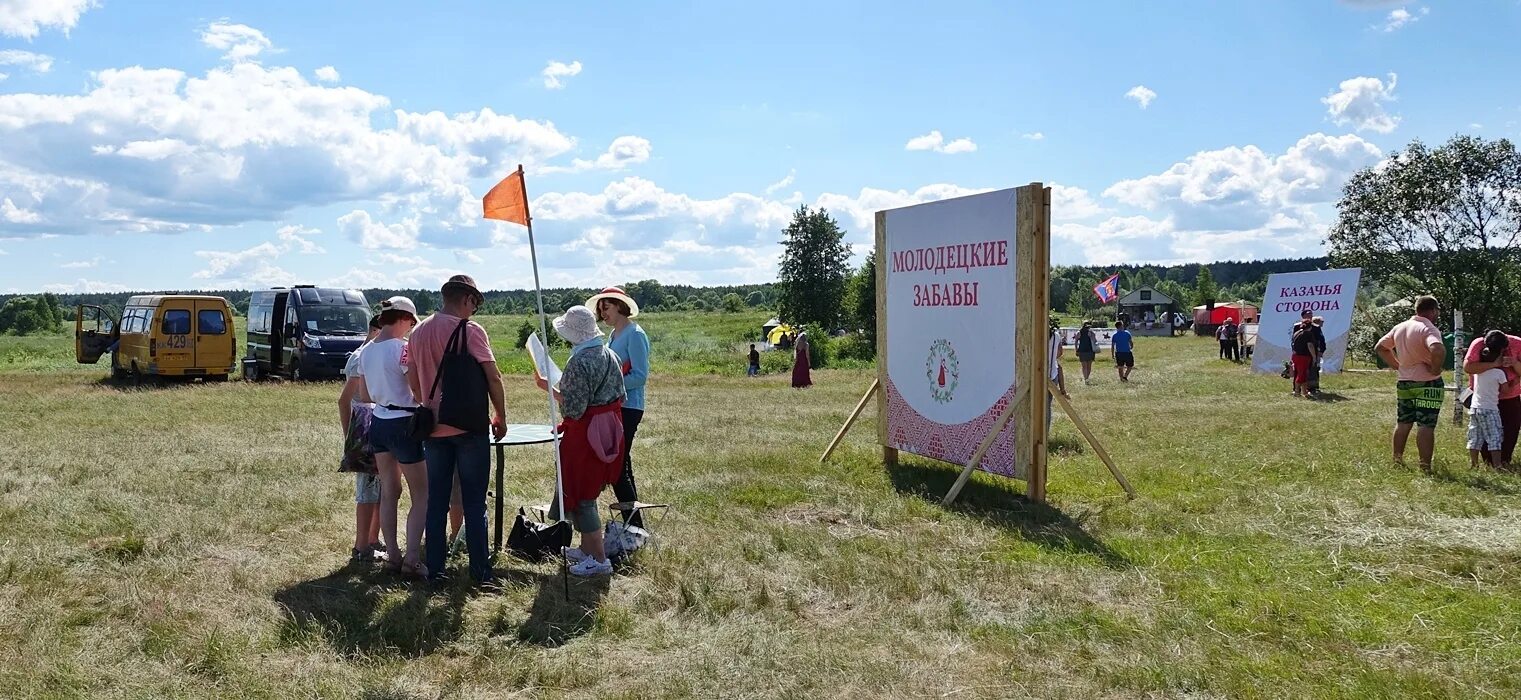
[[854, 347], [1368, 325]]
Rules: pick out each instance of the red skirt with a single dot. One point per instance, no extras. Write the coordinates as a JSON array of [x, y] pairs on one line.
[[1301, 369], [585, 472]]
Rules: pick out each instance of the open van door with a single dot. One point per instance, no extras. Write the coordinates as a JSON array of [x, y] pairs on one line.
[[94, 332]]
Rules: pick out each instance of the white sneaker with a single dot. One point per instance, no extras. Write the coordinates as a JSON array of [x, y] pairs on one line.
[[591, 567], [573, 555]]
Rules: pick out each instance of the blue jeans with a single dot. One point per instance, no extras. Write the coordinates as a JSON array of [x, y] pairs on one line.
[[469, 455]]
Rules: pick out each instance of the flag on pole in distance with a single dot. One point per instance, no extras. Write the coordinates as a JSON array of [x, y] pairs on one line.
[[1109, 289], [508, 200]]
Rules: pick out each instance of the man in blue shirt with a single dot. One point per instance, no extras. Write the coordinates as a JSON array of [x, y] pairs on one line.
[[1124, 357]]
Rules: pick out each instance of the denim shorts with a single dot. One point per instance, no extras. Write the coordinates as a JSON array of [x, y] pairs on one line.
[[366, 488], [394, 435]]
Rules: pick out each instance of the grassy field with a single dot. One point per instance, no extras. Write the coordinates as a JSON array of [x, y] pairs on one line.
[[191, 542]]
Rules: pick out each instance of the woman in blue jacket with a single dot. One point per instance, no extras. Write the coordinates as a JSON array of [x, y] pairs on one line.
[[617, 309]]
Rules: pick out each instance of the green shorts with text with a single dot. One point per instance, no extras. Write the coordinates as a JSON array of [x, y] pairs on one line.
[[1419, 402]]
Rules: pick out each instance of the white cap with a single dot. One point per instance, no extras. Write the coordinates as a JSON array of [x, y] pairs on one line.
[[399, 304]]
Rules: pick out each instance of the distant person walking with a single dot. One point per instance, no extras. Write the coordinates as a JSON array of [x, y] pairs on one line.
[[456, 375], [1087, 349], [1486, 434], [1510, 395], [802, 378], [385, 365], [753, 368], [1415, 349], [1123, 346], [628, 341]]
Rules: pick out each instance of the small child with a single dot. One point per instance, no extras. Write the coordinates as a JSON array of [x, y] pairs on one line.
[[754, 367], [354, 416], [1484, 428]]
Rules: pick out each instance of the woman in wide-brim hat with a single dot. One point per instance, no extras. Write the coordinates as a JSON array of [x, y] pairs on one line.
[[591, 396], [627, 339]]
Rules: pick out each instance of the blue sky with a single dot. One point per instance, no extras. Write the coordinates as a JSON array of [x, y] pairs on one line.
[[238, 145]]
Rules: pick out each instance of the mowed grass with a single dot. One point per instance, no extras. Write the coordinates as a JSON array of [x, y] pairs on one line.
[[191, 541]]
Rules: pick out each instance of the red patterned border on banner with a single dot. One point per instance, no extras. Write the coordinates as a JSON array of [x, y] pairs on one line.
[[911, 432]]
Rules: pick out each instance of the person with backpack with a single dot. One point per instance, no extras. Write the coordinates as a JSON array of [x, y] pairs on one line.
[[455, 374], [1086, 349], [591, 394]]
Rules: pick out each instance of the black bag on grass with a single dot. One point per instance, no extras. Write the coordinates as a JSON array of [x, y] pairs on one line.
[[537, 541]]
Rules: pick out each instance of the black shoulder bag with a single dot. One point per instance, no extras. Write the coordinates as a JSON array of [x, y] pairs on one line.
[[465, 403]]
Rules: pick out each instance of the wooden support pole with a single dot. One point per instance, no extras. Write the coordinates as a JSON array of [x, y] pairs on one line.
[[987, 443], [875, 384], [1088, 434]]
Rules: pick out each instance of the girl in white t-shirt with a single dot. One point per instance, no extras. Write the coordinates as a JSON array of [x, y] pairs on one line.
[[354, 411], [1484, 427], [398, 455]]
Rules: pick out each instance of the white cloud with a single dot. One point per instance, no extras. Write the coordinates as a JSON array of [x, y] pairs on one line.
[[240, 41], [85, 286], [621, 153], [295, 238], [1231, 203], [935, 141], [26, 60], [360, 228], [783, 183], [156, 150], [466, 256], [1400, 17], [327, 74], [1360, 103], [555, 73], [1142, 95], [11, 213], [26, 18], [82, 264], [1034, 136]]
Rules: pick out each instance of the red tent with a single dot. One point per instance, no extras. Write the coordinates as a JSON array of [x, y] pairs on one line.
[[1234, 311]]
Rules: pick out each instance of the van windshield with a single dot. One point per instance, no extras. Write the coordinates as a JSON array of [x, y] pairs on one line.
[[328, 319]]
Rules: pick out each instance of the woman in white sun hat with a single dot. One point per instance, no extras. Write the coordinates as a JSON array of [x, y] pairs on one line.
[[617, 309], [591, 395], [398, 455]]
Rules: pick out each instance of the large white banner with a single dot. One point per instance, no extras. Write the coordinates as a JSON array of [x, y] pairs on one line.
[[1329, 294], [950, 327]]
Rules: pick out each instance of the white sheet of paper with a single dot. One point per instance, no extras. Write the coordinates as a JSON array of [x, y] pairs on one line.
[[541, 359]]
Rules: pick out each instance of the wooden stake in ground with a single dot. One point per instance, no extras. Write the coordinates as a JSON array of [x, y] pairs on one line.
[[875, 384], [1093, 442], [982, 448]]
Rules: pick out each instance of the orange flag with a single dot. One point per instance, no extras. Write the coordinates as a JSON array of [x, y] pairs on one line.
[[508, 201]]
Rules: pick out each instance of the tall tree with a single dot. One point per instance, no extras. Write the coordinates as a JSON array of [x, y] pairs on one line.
[[861, 299], [815, 265], [1204, 288], [1444, 221]]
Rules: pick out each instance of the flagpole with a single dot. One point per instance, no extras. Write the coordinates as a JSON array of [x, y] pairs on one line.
[[538, 293]]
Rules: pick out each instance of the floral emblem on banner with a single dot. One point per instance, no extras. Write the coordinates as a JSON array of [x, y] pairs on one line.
[[942, 370]]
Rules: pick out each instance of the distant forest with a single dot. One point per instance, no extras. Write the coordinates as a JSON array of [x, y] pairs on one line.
[[1071, 290]]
